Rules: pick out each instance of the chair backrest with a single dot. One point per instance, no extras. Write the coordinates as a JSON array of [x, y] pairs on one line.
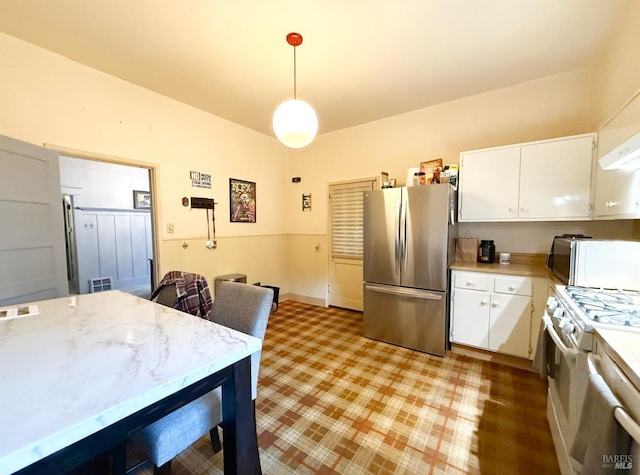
[[190, 293], [166, 296], [245, 308]]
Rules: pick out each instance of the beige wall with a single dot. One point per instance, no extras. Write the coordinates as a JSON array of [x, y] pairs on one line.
[[45, 98], [616, 70], [566, 104], [53, 100], [550, 107]]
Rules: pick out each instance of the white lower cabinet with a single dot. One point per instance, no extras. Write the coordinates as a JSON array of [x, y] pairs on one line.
[[492, 312]]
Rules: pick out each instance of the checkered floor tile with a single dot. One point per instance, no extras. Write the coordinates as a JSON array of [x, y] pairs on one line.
[[333, 402]]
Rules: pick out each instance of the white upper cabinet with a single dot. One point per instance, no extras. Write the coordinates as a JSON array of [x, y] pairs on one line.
[[555, 178], [617, 192], [491, 184], [536, 181]]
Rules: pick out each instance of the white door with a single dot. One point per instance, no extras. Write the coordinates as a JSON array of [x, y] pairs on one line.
[[470, 318], [489, 183], [32, 252], [509, 324], [555, 179], [346, 236], [617, 194]]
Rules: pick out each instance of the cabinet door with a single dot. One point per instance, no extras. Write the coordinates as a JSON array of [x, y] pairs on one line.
[[555, 179], [509, 324], [616, 193], [489, 184], [470, 318]]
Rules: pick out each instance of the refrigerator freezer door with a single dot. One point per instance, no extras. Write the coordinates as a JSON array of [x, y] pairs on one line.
[[406, 317], [427, 237], [382, 250]]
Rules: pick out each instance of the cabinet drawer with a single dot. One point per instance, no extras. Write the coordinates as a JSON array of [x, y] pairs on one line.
[[473, 281], [513, 285]]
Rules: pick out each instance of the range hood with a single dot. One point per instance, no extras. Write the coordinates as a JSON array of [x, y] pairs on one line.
[[624, 156]]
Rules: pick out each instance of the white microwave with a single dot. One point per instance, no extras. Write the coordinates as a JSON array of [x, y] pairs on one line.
[[609, 264]]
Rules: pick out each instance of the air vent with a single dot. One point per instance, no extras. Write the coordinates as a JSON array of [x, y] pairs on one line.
[[100, 284]]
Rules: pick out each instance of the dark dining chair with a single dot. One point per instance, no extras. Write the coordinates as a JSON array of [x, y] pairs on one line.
[[239, 306]]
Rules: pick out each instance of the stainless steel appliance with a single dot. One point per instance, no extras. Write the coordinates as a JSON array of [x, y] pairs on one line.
[[409, 243], [590, 263]]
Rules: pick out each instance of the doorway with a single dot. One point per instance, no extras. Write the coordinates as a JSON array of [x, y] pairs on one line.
[[108, 226], [346, 235]]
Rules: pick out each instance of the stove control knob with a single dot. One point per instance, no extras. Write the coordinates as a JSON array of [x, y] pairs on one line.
[[552, 304], [568, 328], [558, 313]]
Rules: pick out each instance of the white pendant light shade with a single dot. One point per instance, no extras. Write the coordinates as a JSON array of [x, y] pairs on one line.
[[295, 123]]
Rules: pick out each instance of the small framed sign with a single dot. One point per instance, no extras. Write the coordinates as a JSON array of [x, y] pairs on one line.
[[306, 202], [141, 199]]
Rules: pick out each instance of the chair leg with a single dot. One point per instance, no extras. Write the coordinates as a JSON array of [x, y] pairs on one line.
[[163, 470], [215, 440]]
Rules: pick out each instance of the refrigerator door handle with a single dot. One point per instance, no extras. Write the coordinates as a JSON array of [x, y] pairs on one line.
[[398, 243], [403, 234], [404, 291]]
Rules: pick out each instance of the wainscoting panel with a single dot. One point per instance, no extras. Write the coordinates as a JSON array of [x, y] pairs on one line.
[[113, 243]]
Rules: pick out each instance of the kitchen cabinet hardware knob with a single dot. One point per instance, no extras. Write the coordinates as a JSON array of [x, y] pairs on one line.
[[185, 245], [611, 204], [494, 304], [483, 302], [512, 210], [512, 287], [524, 210], [469, 282]]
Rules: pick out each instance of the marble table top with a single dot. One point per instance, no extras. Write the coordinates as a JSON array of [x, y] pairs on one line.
[[71, 370]]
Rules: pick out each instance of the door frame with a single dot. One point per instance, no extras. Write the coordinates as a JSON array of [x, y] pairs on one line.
[[153, 187]]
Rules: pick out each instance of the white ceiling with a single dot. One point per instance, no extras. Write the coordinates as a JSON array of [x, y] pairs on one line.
[[361, 60]]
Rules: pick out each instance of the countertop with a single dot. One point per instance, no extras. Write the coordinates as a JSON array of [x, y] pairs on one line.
[[533, 265], [624, 347], [72, 370]]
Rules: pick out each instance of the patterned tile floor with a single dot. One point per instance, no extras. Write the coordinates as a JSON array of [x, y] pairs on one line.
[[333, 402]]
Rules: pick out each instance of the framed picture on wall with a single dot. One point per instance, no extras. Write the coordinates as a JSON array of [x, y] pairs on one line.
[[242, 201], [306, 202], [141, 199]]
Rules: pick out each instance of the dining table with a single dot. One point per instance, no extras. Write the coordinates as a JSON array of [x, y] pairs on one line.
[[79, 375]]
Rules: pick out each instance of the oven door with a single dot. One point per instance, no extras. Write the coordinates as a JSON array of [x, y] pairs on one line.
[[564, 380], [627, 414]]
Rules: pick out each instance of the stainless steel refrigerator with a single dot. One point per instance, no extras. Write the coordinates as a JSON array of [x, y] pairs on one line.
[[409, 243]]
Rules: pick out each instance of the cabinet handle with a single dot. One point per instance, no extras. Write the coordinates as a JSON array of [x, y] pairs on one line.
[[524, 210], [611, 204], [469, 282], [494, 304], [512, 287], [483, 302], [513, 210]]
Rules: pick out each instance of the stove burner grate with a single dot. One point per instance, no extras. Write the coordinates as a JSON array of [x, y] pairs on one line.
[[614, 307]]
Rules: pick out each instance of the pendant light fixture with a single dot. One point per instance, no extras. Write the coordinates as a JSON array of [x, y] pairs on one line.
[[295, 122]]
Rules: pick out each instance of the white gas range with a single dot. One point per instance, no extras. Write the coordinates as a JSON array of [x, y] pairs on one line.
[[582, 309], [572, 318]]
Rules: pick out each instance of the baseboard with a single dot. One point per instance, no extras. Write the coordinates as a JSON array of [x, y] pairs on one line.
[[513, 361], [303, 299]]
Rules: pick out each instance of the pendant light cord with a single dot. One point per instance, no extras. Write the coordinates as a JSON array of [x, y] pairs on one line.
[[294, 72]]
